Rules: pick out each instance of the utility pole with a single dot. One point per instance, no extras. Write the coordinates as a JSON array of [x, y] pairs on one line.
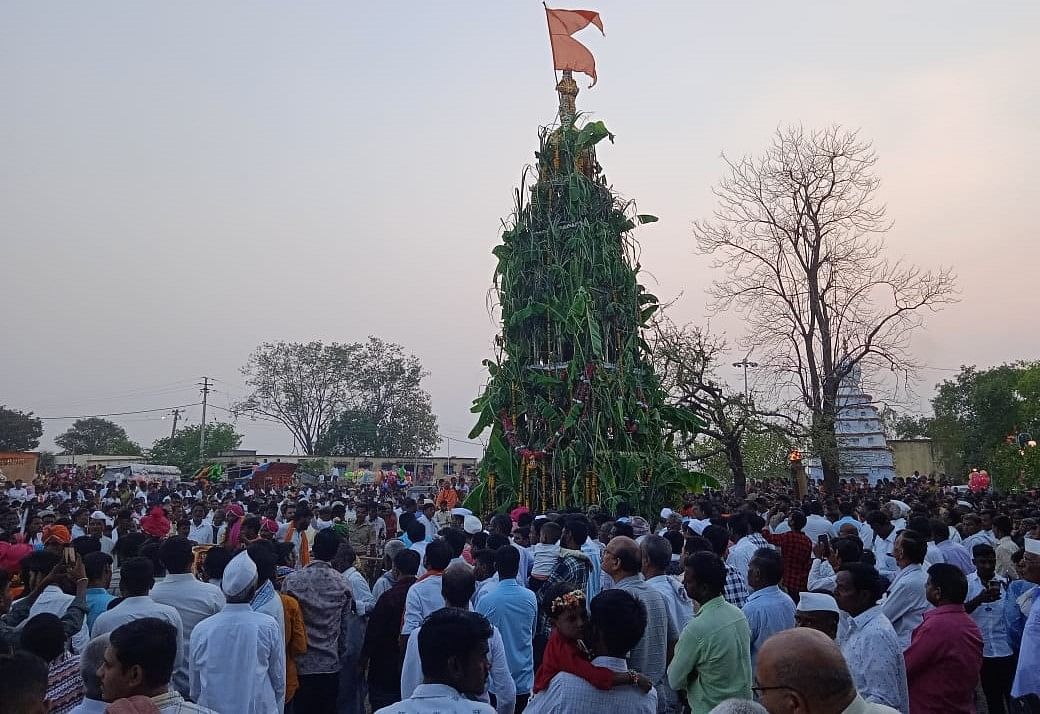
[[202, 430], [745, 364], [176, 416], [418, 430]]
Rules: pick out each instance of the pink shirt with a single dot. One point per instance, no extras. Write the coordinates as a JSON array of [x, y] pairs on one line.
[[943, 662]]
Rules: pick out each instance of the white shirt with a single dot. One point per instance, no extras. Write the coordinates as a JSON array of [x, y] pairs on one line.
[[383, 584], [905, 603], [238, 662], [934, 556], [431, 527], [871, 649], [740, 555], [570, 694], [438, 699], [56, 602], [420, 548], [982, 537], [17, 494], [881, 547], [193, 599], [821, 576], [141, 606], [202, 533], [677, 602], [364, 602], [816, 526], [989, 616], [423, 598], [500, 681]]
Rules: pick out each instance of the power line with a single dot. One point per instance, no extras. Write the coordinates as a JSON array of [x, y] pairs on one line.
[[138, 411]]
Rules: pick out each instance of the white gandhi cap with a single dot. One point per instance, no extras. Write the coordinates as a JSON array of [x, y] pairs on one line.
[[817, 602], [239, 575]]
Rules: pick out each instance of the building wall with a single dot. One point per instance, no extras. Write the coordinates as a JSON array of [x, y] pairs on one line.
[[87, 460], [430, 467], [920, 455], [18, 466]]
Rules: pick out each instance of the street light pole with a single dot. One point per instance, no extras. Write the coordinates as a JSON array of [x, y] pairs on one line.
[[745, 364]]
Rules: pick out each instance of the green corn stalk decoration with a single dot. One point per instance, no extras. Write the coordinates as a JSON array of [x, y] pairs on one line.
[[571, 391]]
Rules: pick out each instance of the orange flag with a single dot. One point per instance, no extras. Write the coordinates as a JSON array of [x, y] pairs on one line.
[[568, 53]]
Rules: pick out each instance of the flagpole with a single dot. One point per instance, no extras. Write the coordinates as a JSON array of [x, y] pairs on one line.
[[552, 47]]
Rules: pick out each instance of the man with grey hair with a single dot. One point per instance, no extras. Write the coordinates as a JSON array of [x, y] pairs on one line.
[[89, 664], [623, 562], [387, 579], [657, 556]]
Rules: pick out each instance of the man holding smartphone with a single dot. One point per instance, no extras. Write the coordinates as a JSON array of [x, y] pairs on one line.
[[985, 591]]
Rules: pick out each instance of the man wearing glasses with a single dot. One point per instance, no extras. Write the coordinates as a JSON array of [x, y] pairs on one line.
[[803, 670]]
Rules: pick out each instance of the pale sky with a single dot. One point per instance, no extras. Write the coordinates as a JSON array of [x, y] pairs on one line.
[[182, 181]]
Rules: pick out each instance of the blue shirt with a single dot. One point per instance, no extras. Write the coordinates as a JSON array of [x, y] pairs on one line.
[[1027, 676], [842, 521], [1014, 620], [513, 609], [97, 603], [768, 611]]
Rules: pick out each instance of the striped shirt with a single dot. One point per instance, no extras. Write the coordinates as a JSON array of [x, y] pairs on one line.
[[64, 684]]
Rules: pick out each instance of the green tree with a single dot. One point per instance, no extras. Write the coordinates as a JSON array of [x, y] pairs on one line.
[[764, 455], [97, 436], [798, 236], [1014, 466], [388, 413], [576, 413], [19, 431], [975, 411], [182, 449], [358, 398]]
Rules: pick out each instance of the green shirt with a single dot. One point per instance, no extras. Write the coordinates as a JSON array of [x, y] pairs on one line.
[[712, 659]]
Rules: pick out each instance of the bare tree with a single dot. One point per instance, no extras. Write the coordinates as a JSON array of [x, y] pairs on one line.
[[800, 236], [302, 385], [685, 359]]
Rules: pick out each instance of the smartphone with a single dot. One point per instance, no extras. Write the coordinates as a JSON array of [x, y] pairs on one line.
[[994, 585], [825, 544], [69, 555]]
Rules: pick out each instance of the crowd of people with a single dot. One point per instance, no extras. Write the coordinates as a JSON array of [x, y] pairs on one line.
[[907, 596]]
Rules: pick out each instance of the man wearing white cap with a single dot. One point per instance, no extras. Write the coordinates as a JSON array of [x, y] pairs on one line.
[[818, 611], [236, 659], [1027, 676]]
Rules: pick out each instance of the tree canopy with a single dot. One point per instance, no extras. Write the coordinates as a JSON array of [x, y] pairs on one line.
[[95, 435], [976, 411], [360, 398], [19, 431], [182, 449]]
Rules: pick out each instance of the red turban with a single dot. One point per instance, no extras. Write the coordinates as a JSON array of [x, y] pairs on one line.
[[156, 524], [58, 533]]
